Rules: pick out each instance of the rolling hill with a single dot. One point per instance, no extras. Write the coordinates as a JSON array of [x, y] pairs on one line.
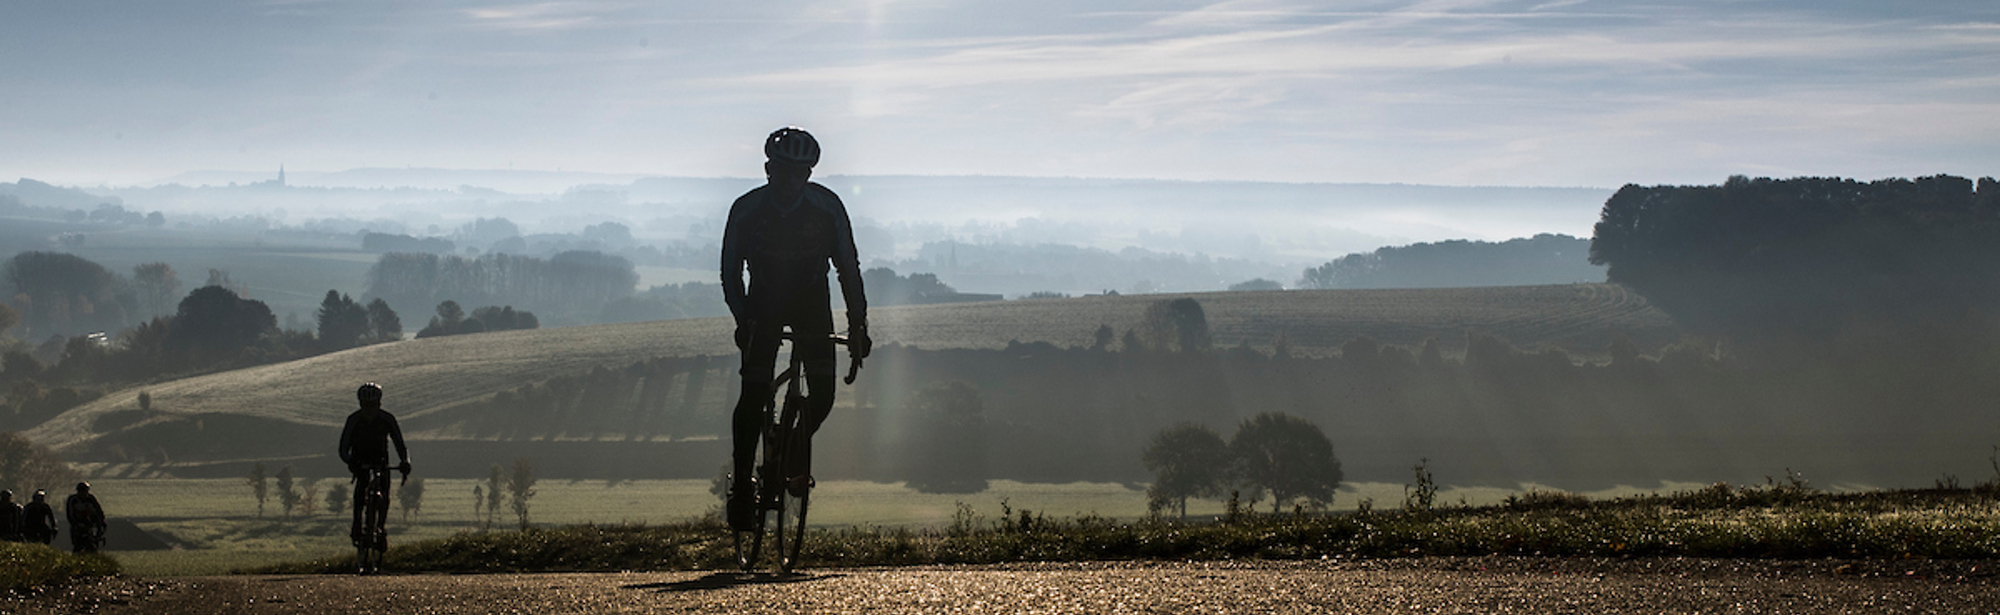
[[265, 411]]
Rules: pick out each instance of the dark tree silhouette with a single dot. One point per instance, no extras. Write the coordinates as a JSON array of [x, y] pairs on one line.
[[342, 322], [1761, 256], [1188, 460], [1287, 456], [26, 466], [410, 497], [1175, 325], [887, 288], [213, 324], [1542, 259], [60, 293], [336, 499], [383, 323], [288, 493], [260, 485], [520, 488]]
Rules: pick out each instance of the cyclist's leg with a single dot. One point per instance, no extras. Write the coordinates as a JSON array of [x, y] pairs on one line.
[[360, 504], [379, 513], [747, 421], [817, 358]]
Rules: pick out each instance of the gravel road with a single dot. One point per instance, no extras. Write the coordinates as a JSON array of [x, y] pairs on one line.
[[1424, 585]]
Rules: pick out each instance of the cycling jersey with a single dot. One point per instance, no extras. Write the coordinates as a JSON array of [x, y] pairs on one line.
[[39, 521], [365, 439], [10, 520], [787, 248]]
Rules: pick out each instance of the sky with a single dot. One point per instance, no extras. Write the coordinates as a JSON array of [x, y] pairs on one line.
[[1449, 92]]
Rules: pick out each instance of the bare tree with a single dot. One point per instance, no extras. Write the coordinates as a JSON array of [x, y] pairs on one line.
[[411, 497], [520, 487], [496, 479], [259, 485], [288, 494]]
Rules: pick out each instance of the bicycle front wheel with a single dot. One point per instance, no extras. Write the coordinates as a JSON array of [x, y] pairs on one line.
[[750, 543], [791, 552]]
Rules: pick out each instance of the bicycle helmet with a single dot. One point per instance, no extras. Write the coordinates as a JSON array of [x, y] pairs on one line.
[[83, 487], [370, 393], [792, 145]]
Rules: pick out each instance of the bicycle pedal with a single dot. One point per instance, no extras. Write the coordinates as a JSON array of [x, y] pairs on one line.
[[799, 486]]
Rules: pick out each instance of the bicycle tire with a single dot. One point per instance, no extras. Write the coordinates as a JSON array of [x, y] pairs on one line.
[[749, 544], [790, 558]]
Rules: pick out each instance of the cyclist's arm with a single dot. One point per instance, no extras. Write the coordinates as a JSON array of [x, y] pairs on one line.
[[347, 442], [732, 255], [846, 261], [396, 435]]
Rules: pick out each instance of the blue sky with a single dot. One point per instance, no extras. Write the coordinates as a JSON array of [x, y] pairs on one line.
[[1456, 92]]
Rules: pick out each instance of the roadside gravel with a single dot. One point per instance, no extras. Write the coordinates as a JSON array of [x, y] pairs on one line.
[[1418, 585]]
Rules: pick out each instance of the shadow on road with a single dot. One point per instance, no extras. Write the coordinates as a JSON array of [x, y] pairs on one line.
[[726, 580]]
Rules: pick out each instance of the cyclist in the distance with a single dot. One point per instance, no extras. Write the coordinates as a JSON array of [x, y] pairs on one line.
[[86, 520], [38, 521], [364, 443], [786, 232]]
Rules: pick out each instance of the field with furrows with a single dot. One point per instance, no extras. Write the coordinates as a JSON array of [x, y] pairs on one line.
[[434, 374]]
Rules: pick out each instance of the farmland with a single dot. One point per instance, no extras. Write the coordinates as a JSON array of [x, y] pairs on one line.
[[434, 374], [213, 525]]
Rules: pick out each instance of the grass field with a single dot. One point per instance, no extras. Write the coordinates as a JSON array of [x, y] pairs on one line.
[[213, 524], [1772, 522], [436, 373]]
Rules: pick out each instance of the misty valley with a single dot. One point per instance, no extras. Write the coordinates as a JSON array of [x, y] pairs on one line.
[[1825, 332]]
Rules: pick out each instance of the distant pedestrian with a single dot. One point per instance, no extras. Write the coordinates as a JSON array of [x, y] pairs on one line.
[[10, 517], [86, 520], [38, 521]]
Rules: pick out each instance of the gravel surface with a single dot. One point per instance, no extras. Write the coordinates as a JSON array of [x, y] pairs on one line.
[[1427, 585]]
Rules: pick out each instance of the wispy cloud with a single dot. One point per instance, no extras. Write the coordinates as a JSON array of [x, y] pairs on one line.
[[1487, 91], [538, 16]]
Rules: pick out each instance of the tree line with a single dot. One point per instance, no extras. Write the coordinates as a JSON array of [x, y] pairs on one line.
[[1272, 452], [1542, 259], [1798, 258], [571, 286]]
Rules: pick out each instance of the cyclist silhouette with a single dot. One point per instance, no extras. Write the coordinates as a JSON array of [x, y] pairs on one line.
[[364, 443], [786, 232], [86, 520], [38, 521], [10, 516]]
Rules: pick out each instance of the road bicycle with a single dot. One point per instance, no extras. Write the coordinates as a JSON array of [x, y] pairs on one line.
[[788, 493], [373, 539], [90, 538]]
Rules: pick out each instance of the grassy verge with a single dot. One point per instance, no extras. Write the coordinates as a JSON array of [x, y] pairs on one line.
[[24, 566], [1720, 521]]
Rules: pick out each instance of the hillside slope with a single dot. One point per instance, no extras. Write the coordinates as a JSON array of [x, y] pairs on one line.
[[429, 375]]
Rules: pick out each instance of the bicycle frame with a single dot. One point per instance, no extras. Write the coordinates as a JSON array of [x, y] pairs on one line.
[[374, 503], [782, 484]]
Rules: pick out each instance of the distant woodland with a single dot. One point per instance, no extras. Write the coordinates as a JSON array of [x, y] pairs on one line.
[[1542, 259], [1756, 258], [568, 288]]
